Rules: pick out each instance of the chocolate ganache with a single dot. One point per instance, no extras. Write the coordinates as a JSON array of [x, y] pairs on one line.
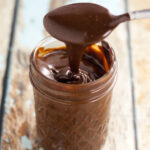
[[79, 26], [54, 64]]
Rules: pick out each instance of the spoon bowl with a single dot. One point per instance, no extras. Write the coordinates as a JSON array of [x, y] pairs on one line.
[[85, 23]]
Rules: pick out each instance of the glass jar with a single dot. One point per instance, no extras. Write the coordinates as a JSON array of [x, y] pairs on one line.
[[71, 116]]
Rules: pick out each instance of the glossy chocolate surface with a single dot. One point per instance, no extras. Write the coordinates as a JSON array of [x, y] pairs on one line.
[[81, 23], [54, 64]]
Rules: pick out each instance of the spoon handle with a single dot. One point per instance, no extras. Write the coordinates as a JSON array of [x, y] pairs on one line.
[[139, 14]]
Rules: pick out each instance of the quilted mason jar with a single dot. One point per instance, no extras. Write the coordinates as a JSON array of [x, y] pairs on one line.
[[71, 116]]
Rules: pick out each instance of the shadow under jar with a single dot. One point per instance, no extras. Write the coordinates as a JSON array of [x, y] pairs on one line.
[[71, 116]]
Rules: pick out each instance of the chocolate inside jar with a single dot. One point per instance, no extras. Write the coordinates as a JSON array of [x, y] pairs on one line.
[[54, 63]]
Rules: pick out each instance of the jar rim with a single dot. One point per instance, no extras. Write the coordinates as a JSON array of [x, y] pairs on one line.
[[72, 93], [113, 64]]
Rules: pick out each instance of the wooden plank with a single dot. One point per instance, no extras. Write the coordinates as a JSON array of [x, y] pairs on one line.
[[121, 131], [140, 34], [19, 124], [6, 9]]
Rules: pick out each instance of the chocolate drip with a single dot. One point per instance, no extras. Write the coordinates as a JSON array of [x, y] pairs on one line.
[[53, 63], [79, 26]]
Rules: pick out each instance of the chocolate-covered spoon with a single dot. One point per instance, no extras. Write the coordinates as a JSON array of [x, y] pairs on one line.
[[85, 23], [82, 24]]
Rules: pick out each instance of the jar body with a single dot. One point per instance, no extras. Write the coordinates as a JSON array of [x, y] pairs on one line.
[[71, 127], [77, 120]]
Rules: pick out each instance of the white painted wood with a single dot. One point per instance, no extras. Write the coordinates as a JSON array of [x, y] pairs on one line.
[[19, 122], [140, 35], [19, 125], [6, 10]]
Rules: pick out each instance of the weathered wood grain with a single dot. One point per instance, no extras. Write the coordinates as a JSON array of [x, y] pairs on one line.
[[6, 9], [19, 124], [121, 131], [140, 35]]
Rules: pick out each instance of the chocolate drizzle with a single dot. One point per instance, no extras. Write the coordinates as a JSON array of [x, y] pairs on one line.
[[79, 26], [54, 64]]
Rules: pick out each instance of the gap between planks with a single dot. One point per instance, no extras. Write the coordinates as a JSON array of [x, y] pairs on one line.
[[7, 69], [132, 78]]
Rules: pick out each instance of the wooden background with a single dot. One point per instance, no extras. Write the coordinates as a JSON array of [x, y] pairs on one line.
[[21, 29]]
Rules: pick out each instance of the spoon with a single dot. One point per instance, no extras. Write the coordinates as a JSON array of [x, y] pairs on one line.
[[86, 23]]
